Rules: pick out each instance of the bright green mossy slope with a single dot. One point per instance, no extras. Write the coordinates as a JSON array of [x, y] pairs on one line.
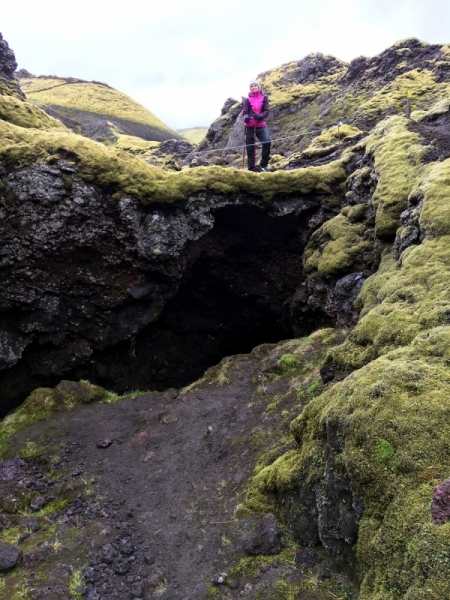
[[80, 99], [9, 88], [125, 174], [25, 114], [393, 411]]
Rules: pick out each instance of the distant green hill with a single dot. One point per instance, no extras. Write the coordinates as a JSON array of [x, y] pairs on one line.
[[193, 134], [94, 109]]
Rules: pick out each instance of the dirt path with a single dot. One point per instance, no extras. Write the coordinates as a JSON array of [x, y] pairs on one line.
[[153, 514], [169, 482]]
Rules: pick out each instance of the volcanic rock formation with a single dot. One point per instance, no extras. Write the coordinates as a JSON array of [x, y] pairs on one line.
[[8, 65]]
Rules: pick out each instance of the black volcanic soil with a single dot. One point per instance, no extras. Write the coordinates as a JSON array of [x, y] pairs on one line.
[[154, 513]]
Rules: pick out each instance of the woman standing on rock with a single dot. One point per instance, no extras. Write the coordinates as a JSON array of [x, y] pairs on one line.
[[255, 111]]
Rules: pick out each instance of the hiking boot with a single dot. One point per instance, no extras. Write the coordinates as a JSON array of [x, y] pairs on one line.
[[266, 168]]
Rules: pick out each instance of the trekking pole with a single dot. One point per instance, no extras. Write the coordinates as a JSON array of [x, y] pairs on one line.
[[244, 146], [254, 144]]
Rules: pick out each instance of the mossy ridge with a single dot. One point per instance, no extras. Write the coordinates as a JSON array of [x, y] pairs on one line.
[[92, 98], [421, 83], [25, 114], [397, 163], [401, 301], [403, 399], [398, 153], [9, 88], [130, 175], [135, 145], [393, 412]]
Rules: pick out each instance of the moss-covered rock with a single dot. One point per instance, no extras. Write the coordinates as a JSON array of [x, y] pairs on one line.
[[130, 175], [43, 402]]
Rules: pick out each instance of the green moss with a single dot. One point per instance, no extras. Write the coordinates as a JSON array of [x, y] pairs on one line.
[[333, 134], [393, 412], [25, 114], [288, 362], [76, 581], [335, 246], [31, 450], [398, 153], [9, 88], [420, 82], [134, 176], [40, 404], [383, 450], [53, 507], [251, 566], [135, 145]]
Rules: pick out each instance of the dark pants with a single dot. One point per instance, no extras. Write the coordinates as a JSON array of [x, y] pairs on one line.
[[263, 136]]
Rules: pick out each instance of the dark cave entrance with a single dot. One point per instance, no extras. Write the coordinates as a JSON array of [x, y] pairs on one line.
[[240, 289]]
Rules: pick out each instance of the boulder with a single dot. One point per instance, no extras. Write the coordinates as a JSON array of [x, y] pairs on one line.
[[10, 556], [266, 539]]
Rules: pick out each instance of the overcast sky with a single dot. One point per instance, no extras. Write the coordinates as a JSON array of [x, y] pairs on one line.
[[183, 58]]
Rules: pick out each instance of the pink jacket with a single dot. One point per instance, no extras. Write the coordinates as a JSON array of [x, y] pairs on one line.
[[259, 104]]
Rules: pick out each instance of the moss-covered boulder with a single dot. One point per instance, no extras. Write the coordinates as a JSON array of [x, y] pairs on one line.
[[76, 392]]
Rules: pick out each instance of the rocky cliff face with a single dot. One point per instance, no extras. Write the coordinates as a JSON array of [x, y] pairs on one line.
[[148, 296], [319, 91], [8, 65]]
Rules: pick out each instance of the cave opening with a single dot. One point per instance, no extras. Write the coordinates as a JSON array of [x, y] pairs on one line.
[[238, 290]]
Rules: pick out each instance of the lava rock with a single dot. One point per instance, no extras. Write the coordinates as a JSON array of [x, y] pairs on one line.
[[33, 526], [155, 577], [266, 540], [440, 507], [108, 554], [306, 557], [105, 443], [121, 566], [137, 588], [321, 572], [48, 592], [12, 470], [91, 575], [77, 391], [38, 503], [10, 556], [126, 547]]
